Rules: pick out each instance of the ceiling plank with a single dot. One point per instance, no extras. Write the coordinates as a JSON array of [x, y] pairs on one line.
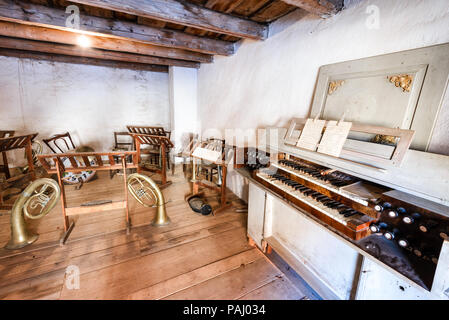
[[69, 50], [322, 8], [82, 60], [185, 13], [17, 30], [56, 18]]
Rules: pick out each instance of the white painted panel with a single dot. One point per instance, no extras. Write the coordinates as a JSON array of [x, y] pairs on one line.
[[183, 104], [330, 259], [256, 212], [377, 283]]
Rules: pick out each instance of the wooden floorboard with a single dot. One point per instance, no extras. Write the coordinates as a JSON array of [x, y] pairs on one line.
[[194, 257]]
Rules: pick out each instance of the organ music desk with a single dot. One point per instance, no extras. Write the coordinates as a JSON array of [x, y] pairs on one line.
[[301, 207]]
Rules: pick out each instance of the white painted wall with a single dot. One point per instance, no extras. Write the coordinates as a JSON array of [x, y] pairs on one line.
[[267, 83], [91, 102], [183, 83]]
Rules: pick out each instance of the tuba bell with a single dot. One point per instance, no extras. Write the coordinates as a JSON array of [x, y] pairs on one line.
[[148, 194], [40, 196]]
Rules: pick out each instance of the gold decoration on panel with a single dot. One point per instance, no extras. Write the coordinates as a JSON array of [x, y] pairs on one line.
[[35, 202], [384, 139], [148, 194], [402, 81], [334, 85]]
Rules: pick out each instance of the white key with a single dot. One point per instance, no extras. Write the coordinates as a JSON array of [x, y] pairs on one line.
[[334, 214]]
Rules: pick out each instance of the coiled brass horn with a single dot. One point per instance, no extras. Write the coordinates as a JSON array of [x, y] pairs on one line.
[[35, 202], [148, 194]]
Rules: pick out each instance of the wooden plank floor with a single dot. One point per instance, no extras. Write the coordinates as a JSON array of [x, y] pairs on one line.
[[195, 257]]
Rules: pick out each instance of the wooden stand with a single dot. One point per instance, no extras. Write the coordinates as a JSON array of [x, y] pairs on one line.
[[160, 142], [58, 167], [12, 143], [221, 189]]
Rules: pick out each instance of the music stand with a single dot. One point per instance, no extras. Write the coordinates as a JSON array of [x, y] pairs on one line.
[[163, 143], [203, 152]]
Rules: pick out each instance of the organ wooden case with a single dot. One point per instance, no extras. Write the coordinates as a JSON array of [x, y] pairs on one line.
[[373, 222]]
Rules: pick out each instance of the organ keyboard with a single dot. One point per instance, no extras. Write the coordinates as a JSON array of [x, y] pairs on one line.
[[342, 217], [372, 216], [320, 191]]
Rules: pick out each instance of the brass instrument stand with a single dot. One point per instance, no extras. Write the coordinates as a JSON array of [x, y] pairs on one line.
[[57, 166]]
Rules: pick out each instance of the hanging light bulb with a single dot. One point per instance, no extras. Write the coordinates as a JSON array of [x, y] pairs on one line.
[[83, 41]]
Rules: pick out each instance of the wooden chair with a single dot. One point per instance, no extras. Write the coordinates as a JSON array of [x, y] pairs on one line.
[[127, 146], [121, 146], [4, 167], [64, 139]]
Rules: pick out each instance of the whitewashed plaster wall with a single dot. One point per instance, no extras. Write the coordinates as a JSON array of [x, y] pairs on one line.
[[91, 102], [183, 83], [268, 82]]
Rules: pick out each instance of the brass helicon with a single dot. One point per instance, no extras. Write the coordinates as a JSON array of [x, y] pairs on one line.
[[35, 202], [148, 194]]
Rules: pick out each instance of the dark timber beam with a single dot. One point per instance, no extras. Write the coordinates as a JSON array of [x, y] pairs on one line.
[[82, 60], [322, 8], [186, 14], [17, 30], [69, 50], [56, 18]]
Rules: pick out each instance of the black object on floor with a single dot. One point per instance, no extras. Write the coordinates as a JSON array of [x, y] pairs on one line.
[[198, 205]]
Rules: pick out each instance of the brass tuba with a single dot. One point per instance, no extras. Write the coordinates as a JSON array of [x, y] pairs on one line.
[[148, 194], [40, 196]]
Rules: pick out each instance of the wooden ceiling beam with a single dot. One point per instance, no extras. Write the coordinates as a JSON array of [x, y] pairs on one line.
[[185, 13], [69, 50], [322, 8], [56, 18], [17, 30], [82, 60]]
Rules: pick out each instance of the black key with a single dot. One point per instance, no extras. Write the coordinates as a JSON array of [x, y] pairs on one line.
[[333, 204], [307, 192], [321, 198], [350, 214], [343, 212]]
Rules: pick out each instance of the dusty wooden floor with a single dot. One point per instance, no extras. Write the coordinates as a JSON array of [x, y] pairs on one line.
[[195, 257]]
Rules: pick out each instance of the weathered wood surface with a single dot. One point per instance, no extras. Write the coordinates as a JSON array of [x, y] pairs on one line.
[[56, 18], [183, 259], [323, 8], [37, 46], [30, 32], [186, 14]]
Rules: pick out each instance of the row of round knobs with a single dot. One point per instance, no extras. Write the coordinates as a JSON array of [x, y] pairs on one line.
[[404, 242], [424, 226]]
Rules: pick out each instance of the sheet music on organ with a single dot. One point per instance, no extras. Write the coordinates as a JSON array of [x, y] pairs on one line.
[[334, 137], [311, 134]]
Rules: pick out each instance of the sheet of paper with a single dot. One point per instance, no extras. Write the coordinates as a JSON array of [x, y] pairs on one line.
[[311, 134], [334, 138], [206, 154]]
